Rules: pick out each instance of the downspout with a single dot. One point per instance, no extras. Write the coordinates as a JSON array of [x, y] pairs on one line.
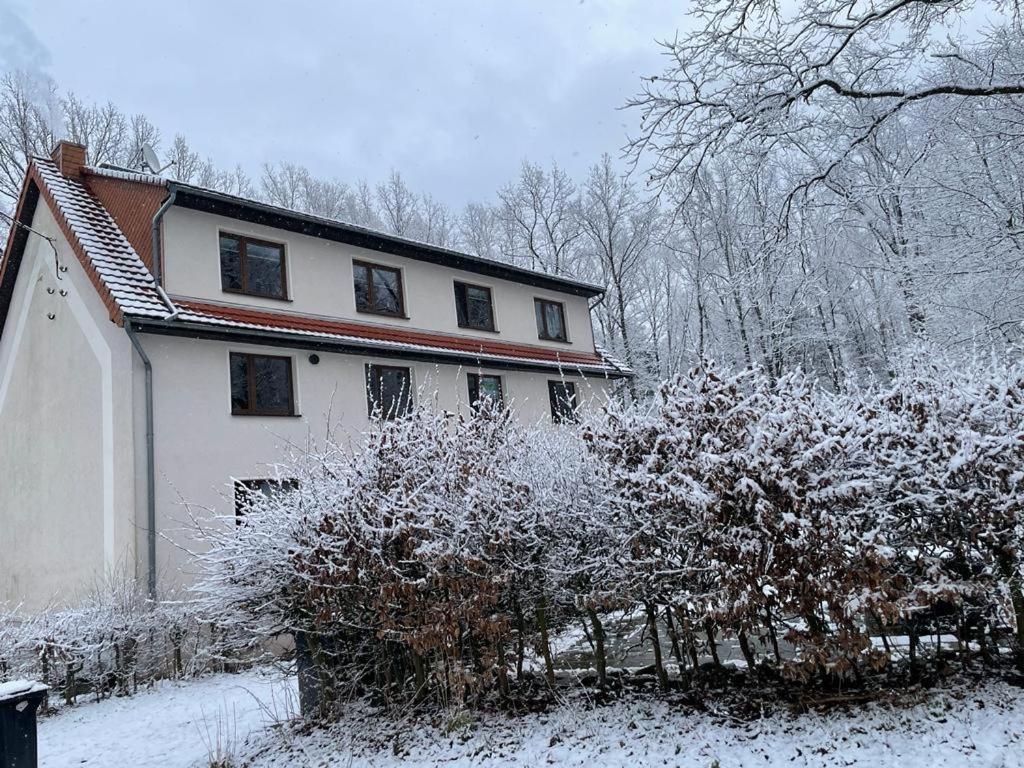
[[156, 250], [155, 233], [150, 464], [157, 260]]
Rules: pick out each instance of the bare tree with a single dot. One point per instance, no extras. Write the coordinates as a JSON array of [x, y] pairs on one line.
[[620, 228], [330, 199], [186, 165], [399, 207], [28, 126], [543, 209], [761, 72], [438, 222], [102, 128], [282, 184], [366, 213], [478, 230]]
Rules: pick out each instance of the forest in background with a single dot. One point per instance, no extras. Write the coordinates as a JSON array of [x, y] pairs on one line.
[[811, 187]]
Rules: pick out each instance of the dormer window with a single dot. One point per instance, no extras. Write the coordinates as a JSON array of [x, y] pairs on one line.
[[550, 320], [474, 307], [253, 267], [378, 289]]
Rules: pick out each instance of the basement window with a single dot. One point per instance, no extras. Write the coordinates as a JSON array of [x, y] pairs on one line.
[[261, 385], [250, 492], [252, 267]]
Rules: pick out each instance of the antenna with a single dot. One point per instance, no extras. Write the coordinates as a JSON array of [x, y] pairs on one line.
[[150, 162]]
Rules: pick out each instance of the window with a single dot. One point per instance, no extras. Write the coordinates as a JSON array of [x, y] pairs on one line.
[[249, 492], [483, 386], [474, 307], [261, 385], [388, 391], [563, 400], [253, 267], [378, 289], [550, 320]]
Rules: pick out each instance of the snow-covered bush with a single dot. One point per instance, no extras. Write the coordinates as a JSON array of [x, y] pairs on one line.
[[432, 559], [395, 565], [946, 446], [741, 508], [111, 642]]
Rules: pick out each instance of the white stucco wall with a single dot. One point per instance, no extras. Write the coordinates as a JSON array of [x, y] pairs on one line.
[[200, 446], [320, 283], [67, 498], [72, 419]]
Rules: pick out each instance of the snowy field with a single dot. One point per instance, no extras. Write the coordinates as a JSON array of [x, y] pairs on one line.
[[185, 724]]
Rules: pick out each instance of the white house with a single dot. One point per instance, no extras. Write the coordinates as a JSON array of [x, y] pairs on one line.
[[161, 342]]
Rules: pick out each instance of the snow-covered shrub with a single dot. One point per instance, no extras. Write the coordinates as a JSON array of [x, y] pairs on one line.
[[778, 510], [428, 560], [111, 642], [739, 508], [946, 447], [401, 565]]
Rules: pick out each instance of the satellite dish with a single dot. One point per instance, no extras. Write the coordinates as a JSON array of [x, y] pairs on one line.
[[150, 162]]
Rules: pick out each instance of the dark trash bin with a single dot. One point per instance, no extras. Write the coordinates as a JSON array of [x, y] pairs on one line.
[[19, 701]]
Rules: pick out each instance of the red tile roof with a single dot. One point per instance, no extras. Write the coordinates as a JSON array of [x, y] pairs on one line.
[[389, 336]]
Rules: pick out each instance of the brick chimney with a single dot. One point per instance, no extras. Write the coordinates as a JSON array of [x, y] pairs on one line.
[[69, 157]]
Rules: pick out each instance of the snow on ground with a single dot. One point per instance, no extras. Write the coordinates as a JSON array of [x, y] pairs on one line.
[[177, 725], [173, 725], [964, 728]]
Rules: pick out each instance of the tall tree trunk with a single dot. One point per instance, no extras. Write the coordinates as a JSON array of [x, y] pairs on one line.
[[620, 307]]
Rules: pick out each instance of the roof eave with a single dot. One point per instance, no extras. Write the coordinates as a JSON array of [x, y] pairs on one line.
[[313, 342]]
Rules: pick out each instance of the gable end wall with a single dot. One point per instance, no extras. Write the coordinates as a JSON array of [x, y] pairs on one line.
[[67, 502]]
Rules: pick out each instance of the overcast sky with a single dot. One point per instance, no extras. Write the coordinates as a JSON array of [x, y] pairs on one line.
[[453, 94]]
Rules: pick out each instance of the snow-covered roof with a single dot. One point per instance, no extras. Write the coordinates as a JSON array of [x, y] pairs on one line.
[[106, 253], [125, 174]]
